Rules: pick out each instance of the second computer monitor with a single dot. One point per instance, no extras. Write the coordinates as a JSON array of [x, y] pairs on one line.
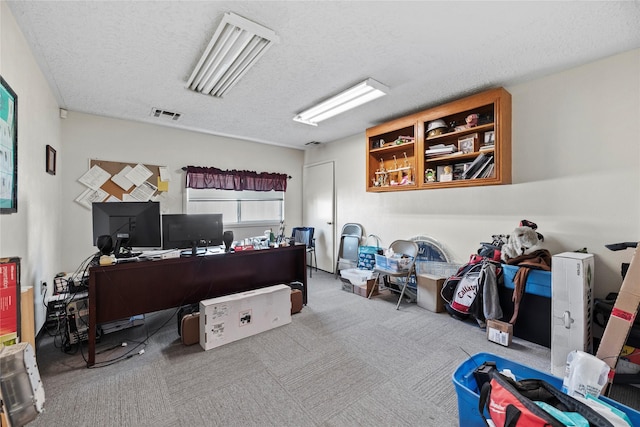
[[183, 231]]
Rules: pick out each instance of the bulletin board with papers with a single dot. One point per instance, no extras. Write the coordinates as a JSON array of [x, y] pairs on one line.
[[119, 181]]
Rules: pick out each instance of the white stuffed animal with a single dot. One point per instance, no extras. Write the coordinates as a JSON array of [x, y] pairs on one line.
[[523, 240]]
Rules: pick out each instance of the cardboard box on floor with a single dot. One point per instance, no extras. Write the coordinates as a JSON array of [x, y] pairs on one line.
[[499, 332], [429, 288], [232, 317], [622, 316], [571, 307]]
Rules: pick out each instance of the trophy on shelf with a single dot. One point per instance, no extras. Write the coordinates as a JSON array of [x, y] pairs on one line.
[[381, 176], [407, 170]]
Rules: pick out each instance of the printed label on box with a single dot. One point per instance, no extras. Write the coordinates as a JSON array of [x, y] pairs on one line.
[[499, 337]]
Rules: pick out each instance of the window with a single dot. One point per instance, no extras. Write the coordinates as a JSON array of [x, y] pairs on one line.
[[238, 207]]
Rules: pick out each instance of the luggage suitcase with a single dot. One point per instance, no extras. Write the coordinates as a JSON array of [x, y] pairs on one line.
[[191, 329], [183, 311], [296, 301], [300, 286]]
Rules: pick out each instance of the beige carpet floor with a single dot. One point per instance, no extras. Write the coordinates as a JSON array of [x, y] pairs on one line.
[[343, 361]]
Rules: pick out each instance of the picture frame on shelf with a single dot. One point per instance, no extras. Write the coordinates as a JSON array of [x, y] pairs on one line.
[[459, 169], [468, 143], [444, 173], [8, 148], [489, 137], [51, 160]]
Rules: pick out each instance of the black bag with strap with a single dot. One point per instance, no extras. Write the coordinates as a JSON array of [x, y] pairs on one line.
[[511, 403]]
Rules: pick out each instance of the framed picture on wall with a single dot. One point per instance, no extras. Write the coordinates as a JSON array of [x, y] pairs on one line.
[[51, 160], [8, 148]]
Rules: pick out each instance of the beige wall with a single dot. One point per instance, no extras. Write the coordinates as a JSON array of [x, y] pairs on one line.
[[33, 233], [576, 169], [576, 173], [89, 137]]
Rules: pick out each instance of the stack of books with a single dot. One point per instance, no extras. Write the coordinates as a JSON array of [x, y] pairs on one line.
[[481, 167], [440, 149]]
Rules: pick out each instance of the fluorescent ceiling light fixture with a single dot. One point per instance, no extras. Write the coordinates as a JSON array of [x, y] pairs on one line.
[[360, 94], [235, 47]]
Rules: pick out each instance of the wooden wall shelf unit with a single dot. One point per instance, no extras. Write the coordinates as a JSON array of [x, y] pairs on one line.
[[400, 153]]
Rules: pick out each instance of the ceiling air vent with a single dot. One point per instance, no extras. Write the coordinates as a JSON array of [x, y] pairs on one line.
[[165, 115]]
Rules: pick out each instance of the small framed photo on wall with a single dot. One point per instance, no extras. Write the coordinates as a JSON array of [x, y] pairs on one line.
[[51, 160]]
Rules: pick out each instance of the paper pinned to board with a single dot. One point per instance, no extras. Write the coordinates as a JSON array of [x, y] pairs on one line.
[[163, 185], [89, 196], [121, 180], [144, 192], [139, 174], [165, 175], [95, 177]]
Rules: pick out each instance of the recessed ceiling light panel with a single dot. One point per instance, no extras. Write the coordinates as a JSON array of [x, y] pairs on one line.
[[353, 97], [235, 47]]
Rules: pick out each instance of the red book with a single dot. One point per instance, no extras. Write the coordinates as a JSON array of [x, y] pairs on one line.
[[9, 300]]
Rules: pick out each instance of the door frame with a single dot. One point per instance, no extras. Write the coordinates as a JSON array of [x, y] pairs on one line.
[[330, 238]]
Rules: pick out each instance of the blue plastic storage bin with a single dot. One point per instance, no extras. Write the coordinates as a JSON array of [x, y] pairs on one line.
[[538, 281], [469, 395]]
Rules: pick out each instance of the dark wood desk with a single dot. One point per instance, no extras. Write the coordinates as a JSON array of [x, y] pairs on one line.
[[124, 290]]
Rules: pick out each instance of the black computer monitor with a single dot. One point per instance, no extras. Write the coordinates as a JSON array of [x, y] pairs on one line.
[[183, 231], [129, 224]]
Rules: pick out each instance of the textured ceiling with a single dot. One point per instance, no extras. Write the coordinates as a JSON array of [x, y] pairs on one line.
[[121, 59]]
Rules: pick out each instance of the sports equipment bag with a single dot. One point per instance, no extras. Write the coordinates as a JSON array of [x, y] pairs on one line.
[[511, 403]]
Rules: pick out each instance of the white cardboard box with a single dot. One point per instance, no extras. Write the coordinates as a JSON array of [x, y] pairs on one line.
[[499, 332], [233, 317], [572, 275]]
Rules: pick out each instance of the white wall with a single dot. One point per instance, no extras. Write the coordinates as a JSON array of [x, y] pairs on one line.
[[33, 233], [89, 137], [576, 173]]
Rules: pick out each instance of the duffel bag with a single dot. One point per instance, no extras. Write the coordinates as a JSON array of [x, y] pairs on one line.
[[533, 403]]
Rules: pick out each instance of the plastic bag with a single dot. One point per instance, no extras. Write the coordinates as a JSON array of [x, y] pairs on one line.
[[585, 374], [367, 254]]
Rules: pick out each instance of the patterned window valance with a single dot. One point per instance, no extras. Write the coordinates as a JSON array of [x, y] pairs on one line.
[[200, 177]]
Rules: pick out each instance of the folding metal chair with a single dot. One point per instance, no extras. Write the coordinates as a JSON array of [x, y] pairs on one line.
[[350, 238], [404, 247]]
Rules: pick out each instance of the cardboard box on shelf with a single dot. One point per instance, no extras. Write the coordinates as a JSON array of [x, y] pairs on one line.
[[429, 288], [572, 276], [622, 316], [499, 332], [232, 317]]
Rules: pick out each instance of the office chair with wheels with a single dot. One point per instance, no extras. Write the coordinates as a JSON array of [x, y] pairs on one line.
[[350, 238], [401, 276], [304, 235]]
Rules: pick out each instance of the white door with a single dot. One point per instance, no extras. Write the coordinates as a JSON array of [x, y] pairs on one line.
[[318, 210]]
